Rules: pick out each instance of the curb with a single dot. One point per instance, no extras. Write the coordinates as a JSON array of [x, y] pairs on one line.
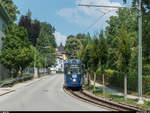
[[25, 85], [36, 80], [7, 92]]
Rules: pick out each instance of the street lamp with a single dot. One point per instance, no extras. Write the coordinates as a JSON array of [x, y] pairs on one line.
[[45, 56], [35, 69]]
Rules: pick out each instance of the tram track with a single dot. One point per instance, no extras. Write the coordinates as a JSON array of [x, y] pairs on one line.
[[112, 106]]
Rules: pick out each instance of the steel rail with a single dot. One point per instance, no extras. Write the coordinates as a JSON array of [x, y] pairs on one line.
[[101, 102]]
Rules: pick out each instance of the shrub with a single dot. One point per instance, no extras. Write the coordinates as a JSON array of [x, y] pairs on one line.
[[146, 85], [116, 79], [108, 74], [146, 69], [132, 81]]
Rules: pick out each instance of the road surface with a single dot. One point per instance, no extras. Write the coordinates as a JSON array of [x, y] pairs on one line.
[[44, 95]]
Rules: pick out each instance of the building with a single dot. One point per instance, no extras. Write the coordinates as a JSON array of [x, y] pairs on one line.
[[61, 58], [4, 19]]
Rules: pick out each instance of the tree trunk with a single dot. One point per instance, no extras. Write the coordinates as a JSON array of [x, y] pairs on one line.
[[20, 71], [94, 80], [89, 74], [88, 79], [125, 87], [103, 85]]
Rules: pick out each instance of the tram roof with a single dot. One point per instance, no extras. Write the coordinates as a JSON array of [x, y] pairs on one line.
[[70, 61]]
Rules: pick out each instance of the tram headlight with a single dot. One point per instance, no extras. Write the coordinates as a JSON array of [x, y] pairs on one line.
[[74, 80], [69, 73]]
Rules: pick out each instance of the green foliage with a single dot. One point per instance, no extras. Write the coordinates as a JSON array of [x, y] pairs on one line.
[[127, 18], [11, 8], [46, 46], [118, 52], [17, 53], [102, 52], [48, 29], [124, 49], [84, 52], [98, 71], [93, 61], [72, 47], [32, 27], [146, 84]]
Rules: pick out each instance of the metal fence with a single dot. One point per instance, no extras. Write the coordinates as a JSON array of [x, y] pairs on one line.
[[10, 82]]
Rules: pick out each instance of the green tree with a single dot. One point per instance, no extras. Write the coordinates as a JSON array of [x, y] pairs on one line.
[[72, 47], [17, 53], [11, 8], [93, 61], [46, 49], [49, 30], [102, 55], [127, 17], [124, 54], [32, 27], [70, 36], [81, 37], [84, 55], [145, 32]]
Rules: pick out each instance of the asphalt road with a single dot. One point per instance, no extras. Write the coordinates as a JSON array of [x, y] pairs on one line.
[[44, 95]]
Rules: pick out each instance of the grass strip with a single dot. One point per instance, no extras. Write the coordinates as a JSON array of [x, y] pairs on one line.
[[117, 98]]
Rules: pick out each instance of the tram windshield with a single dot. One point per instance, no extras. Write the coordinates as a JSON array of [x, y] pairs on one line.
[[73, 70]]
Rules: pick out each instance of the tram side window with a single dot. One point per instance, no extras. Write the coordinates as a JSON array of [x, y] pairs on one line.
[[67, 71]]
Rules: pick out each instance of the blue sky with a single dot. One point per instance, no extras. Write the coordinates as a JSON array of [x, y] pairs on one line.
[[67, 17]]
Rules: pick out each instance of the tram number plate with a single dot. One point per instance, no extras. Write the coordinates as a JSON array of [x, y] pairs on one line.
[[74, 76]]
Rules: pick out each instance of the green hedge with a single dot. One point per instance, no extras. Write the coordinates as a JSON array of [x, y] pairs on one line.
[[146, 69], [146, 85], [116, 79]]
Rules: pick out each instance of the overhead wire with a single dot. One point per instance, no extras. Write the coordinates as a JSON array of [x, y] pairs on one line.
[[99, 18]]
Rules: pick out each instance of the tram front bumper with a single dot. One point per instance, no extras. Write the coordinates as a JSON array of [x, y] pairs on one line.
[[74, 83]]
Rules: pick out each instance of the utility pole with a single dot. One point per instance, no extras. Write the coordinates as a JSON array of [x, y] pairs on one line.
[[45, 65], [140, 101], [35, 69]]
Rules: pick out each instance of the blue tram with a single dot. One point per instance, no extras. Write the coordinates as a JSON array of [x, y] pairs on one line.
[[73, 73]]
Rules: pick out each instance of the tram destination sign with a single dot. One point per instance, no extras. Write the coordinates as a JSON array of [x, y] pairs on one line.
[[74, 66]]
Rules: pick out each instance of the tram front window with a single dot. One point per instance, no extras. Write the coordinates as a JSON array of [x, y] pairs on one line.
[[75, 71]]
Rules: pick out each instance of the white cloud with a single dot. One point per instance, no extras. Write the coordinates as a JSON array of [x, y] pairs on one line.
[[85, 16], [60, 38]]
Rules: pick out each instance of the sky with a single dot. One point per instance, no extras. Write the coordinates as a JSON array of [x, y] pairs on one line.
[[67, 17]]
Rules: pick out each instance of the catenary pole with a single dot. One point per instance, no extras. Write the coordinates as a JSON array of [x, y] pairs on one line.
[[140, 101]]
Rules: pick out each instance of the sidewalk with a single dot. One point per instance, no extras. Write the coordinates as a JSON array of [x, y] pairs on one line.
[[4, 91], [115, 92], [7, 90]]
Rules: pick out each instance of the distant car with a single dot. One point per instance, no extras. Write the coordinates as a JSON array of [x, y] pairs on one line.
[[74, 73], [52, 70]]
